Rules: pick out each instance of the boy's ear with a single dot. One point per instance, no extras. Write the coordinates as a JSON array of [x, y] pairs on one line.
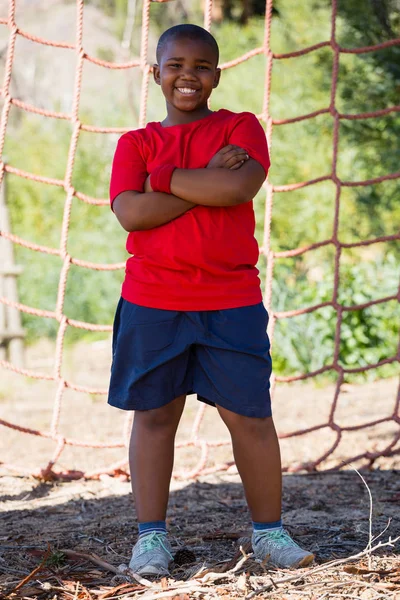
[[156, 74], [217, 78]]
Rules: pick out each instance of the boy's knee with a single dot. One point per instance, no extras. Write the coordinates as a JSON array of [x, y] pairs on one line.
[[249, 425], [255, 424], [165, 418]]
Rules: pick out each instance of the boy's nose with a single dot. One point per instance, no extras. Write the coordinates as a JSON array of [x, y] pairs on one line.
[[189, 73]]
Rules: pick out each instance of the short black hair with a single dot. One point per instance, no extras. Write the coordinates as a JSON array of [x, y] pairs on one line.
[[188, 31]]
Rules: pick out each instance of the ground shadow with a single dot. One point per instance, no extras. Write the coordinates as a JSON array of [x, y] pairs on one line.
[[327, 513]]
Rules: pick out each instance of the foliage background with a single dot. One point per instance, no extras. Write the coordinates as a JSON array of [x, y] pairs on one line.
[[368, 148]]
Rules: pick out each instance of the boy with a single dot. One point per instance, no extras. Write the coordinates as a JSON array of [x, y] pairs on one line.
[[191, 317]]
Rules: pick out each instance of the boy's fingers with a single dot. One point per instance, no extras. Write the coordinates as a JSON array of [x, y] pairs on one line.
[[234, 158], [236, 152], [237, 165], [229, 148]]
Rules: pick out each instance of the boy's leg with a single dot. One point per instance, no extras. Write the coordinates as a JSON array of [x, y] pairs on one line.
[[234, 369], [151, 457], [257, 455], [151, 365]]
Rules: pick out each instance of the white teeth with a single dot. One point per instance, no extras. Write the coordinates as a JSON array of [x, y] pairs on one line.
[[186, 90]]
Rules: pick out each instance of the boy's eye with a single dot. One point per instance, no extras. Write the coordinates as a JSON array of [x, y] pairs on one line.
[[175, 65], [202, 67]]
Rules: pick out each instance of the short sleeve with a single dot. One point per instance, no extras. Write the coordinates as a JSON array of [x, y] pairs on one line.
[[249, 135], [129, 170]]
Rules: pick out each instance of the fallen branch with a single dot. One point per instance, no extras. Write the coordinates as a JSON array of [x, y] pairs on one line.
[[325, 567], [212, 575], [93, 558]]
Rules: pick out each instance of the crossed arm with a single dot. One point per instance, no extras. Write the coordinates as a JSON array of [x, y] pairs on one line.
[[231, 178]]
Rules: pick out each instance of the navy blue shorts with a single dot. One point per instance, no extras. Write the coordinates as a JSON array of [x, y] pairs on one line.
[[220, 355]]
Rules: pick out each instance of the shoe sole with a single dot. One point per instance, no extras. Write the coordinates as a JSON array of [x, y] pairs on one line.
[[151, 571], [307, 560]]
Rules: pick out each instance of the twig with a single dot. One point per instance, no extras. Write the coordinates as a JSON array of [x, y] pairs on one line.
[[92, 558], [330, 586], [240, 563], [369, 545], [325, 567], [48, 587], [86, 591], [228, 535], [244, 553], [9, 570], [356, 597], [76, 590], [273, 583], [194, 585], [124, 570], [123, 588], [383, 530], [176, 592], [32, 573], [212, 576]]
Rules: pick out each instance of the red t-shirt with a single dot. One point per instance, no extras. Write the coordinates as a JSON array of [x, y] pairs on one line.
[[206, 258]]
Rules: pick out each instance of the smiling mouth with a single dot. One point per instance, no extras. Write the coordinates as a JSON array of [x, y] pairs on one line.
[[186, 91]]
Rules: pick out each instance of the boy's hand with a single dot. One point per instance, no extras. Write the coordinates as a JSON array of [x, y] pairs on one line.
[[147, 185], [230, 157]]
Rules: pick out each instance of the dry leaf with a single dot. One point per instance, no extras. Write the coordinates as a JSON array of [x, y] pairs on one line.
[[242, 582], [365, 571], [164, 583], [125, 588]]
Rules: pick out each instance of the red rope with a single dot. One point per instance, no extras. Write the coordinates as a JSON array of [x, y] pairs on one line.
[[272, 256]]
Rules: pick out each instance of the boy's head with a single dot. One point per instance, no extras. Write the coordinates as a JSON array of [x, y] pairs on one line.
[[188, 32], [187, 66]]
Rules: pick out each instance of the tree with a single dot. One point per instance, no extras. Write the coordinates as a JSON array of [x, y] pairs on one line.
[[369, 82]]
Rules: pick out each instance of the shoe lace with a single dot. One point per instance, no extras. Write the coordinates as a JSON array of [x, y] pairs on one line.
[[280, 537], [154, 540]]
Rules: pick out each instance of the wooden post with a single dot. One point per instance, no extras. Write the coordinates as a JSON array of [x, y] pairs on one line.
[[2, 294], [11, 332]]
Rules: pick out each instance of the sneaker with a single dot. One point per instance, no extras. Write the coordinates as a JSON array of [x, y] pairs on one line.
[[282, 551], [151, 555]]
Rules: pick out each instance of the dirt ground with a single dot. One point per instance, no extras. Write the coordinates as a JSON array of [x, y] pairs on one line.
[[327, 512]]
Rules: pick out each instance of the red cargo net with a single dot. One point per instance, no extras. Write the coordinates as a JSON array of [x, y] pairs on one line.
[[142, 63]]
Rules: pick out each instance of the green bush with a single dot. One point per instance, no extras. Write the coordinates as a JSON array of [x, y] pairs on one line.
[[36, 212], [367, 336]]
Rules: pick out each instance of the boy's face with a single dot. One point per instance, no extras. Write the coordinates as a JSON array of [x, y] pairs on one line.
[[187, 73]]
